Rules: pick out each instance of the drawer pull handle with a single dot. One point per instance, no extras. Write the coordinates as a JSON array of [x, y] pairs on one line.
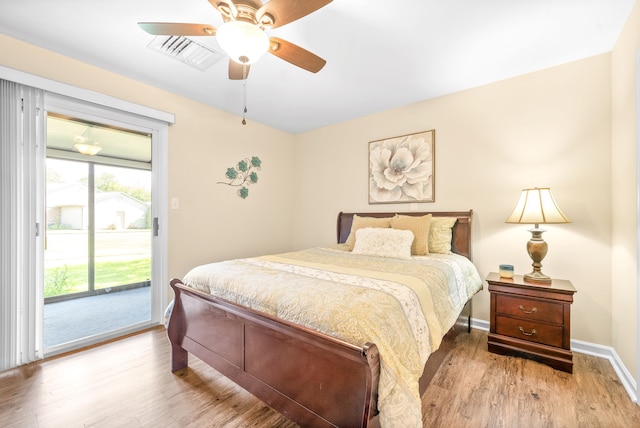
[[532, 311], [522, 330]]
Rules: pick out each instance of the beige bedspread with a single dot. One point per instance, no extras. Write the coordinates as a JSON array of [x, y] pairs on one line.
[[403, 306]]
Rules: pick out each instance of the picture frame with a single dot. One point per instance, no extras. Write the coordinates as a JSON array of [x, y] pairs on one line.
[[402, 169]]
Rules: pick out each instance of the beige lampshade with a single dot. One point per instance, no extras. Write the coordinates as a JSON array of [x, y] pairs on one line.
[[537, 206]]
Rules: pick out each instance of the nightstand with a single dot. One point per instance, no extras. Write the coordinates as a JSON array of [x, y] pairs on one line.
[[531, 319]]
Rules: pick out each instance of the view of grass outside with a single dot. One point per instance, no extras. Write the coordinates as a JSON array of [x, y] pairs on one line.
[[122, 257], [65, 279]]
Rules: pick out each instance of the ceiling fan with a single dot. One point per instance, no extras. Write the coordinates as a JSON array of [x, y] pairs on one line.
[[242, 35]]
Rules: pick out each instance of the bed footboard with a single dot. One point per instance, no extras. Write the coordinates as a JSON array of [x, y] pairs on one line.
[[313, 379]]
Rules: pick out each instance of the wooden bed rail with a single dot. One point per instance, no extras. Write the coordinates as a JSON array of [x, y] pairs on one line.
[[299, 380]]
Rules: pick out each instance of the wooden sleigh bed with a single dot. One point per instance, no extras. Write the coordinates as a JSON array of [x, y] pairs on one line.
[[310, 377]]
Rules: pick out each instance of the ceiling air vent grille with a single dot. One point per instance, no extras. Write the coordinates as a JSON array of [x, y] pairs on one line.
[[186, 50]]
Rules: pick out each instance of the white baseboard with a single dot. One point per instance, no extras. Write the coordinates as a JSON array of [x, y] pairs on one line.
[[610, 354], [594, 350], [479, 324]]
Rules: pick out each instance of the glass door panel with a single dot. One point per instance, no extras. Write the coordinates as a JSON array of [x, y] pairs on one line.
[[123, 227], [67, 234], [98, 242]]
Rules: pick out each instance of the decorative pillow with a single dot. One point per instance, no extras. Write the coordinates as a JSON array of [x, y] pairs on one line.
[[440, 234], [360, 222], [420, 228], [381, 242]]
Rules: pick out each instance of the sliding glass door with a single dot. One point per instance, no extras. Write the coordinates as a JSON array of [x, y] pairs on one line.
[[50, 128]]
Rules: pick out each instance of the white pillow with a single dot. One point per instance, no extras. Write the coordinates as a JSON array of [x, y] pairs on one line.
[[360, 222], [373, 241]]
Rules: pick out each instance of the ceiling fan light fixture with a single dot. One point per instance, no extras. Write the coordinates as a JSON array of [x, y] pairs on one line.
[[83, 146], [245, 43], [87, 149]]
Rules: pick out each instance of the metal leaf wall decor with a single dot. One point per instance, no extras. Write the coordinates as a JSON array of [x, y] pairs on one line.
[[243, 175]]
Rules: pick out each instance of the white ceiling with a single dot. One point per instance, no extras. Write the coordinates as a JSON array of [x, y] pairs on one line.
[[380, 54]]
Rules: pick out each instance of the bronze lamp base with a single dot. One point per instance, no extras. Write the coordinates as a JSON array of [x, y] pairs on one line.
[[537, 249]]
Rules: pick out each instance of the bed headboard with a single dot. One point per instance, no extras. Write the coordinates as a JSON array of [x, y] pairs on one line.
[[460, 242]]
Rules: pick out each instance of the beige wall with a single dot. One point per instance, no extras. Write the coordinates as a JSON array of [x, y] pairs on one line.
[[624, 253], [213, 223], [549, 128]]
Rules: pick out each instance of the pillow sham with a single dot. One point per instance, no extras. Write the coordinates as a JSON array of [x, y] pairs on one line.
[[360, 222], [440, 234], [419, 226], [383, 242]]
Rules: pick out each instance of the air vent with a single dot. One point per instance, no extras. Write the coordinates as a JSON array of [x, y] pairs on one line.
[[186, 50]]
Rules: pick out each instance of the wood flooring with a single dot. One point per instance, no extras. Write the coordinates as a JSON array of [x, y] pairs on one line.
[[127, 383], [476, 388]]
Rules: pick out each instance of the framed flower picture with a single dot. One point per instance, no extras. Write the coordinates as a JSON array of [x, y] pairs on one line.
[[401, 169]]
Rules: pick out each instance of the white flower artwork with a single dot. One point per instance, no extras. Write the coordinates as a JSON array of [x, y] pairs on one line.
[[401, 169]]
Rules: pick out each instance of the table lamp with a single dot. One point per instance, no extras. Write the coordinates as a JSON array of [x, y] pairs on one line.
[[537, 206]]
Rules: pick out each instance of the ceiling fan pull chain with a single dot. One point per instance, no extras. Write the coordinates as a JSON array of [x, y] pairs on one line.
[[244, 90]]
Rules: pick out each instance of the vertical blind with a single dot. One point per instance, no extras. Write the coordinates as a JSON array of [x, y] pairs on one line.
[[22, 151]]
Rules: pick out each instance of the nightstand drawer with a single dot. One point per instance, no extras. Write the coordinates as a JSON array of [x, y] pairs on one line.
[[529, 330], [529, 309]]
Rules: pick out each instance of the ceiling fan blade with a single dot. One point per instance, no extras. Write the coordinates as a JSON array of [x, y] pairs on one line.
[[295, 55], [177, 29], [227, 9], [285, 11], [238, 71]]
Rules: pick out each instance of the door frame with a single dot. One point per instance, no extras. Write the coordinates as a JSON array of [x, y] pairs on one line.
[[77, 108]]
